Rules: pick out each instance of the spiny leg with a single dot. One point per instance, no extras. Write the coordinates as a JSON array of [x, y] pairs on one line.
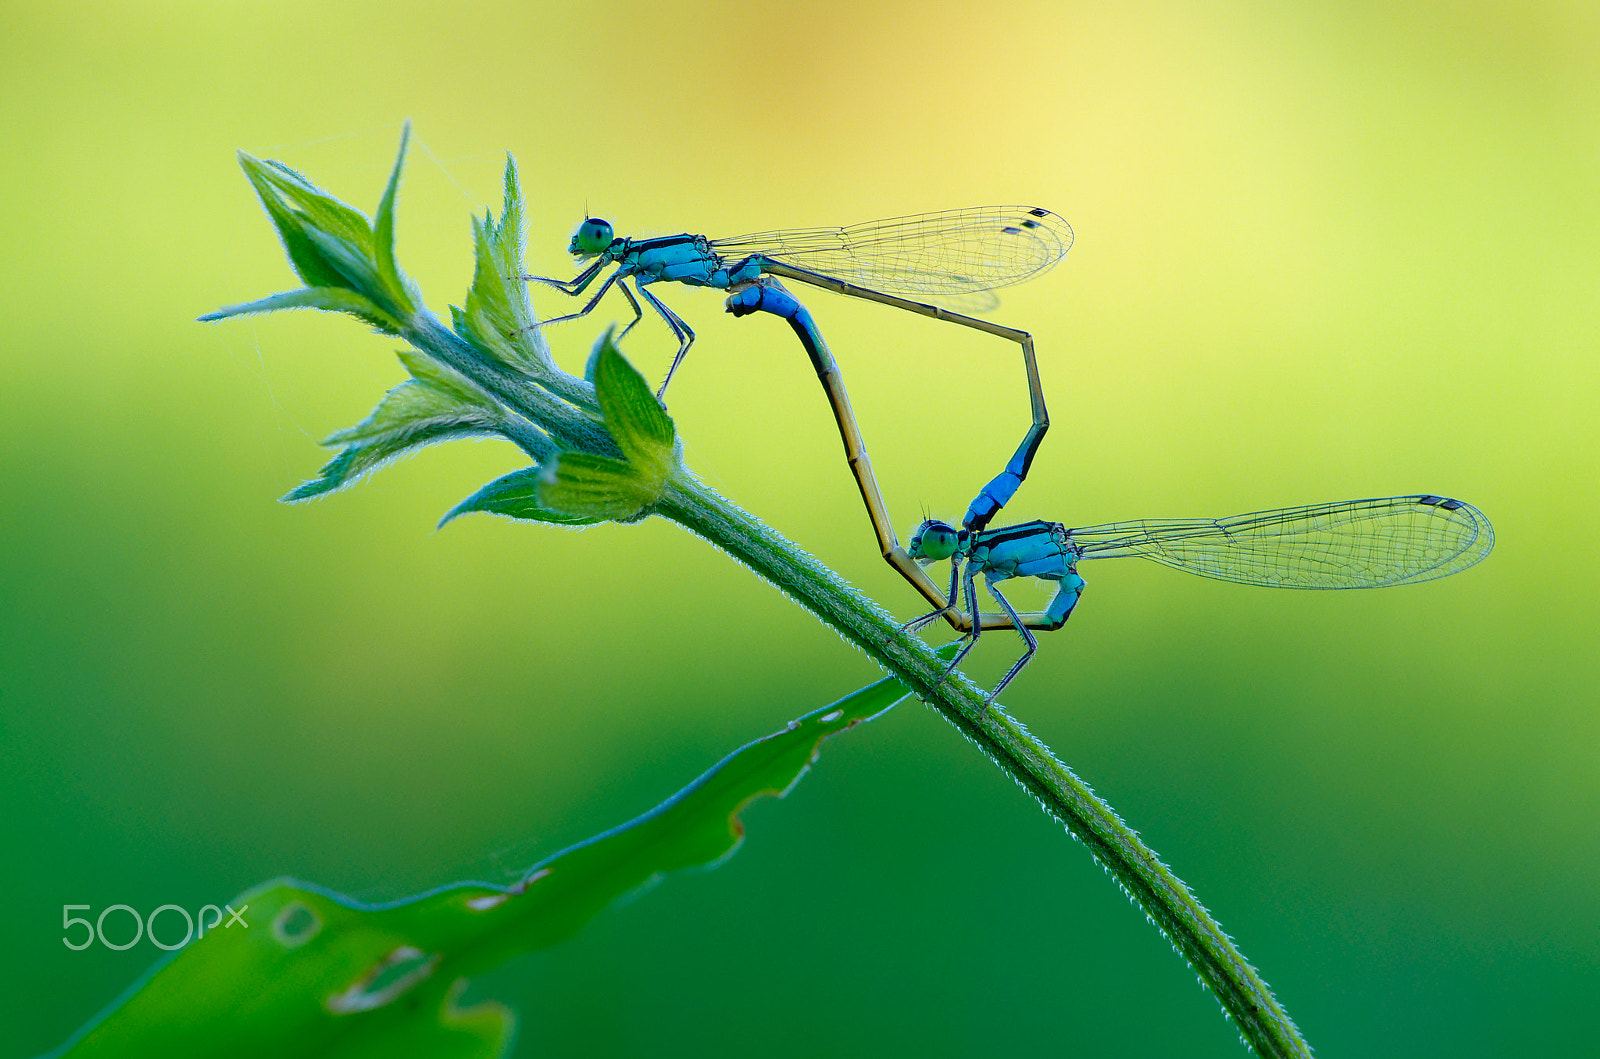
[[638, 313], [574, 286], [916, 623], [1027, 638], [586, 310], [680, 330], [977, 626]]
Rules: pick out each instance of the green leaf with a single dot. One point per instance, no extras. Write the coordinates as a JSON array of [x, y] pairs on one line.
[[446, 380], [318, 208], [498, 317], [516, 495], [297, 207], [329, 299], [586, 486], [578, 488], [332, 244], [414, 407], [356, 271], [358, 461], [437, 404], [316, 973], [383, 227], [641, 427]]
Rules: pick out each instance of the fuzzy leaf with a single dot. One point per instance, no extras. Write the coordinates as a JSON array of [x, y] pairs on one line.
[[499, 321], [414, 407], [383, 229], [445, 379], [641, 427], [330, 243], [311, 204], [498, 315], [587, 486], [297, 207], [358, 461], [317, 973], [516, 495], [436, 404], [328, 299], [355, 271]]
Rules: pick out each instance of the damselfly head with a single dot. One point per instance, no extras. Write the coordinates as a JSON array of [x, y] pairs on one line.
[[933, 540], [591, 238]]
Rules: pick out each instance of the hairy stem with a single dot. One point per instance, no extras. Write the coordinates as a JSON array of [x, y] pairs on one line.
[[1165, 899], [1169, 904], [1263, 1024]]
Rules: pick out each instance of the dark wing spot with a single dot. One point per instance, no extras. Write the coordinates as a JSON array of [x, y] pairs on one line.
[[1012, 231], [1036, 212]]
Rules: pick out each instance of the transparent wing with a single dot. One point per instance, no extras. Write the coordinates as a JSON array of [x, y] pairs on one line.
[[981, 301], [1351, 544], [956, 252]]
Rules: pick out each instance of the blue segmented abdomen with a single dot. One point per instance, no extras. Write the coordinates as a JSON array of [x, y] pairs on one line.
[[763, 298], [1066, 598], [994, 496]]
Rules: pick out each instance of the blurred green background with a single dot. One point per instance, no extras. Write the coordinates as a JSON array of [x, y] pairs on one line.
[[1324, 251]]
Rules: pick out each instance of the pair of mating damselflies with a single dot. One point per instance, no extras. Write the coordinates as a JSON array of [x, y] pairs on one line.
[[965, 254]]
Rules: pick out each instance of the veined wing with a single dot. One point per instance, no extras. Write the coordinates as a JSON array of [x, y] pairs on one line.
[[942, 254], [1350, 544]]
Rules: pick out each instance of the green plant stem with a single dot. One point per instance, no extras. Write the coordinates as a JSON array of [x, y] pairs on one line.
[[569, 428], [1165, 899], [1263, 1024]]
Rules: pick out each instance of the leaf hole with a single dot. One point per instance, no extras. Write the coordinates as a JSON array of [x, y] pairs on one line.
[[296, 924]]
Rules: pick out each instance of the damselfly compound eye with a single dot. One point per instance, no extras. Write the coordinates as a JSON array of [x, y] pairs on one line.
[[592, 237]]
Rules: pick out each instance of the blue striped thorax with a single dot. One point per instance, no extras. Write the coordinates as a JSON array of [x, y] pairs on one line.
[[1029, 549]]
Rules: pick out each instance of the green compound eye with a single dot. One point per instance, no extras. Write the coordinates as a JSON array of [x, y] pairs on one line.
[[933, 540], [592, 237]]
